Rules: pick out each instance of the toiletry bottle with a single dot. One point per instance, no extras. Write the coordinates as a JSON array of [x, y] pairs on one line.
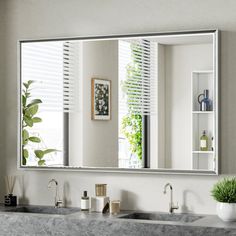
[[84, 202], [204, 141]]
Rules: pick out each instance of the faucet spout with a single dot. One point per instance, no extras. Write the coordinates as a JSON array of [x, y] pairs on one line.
[[52, 181], [172, 207], [165, 187], [57, 200]]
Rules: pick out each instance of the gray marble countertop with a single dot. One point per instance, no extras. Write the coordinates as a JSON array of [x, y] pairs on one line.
[[91, 223]]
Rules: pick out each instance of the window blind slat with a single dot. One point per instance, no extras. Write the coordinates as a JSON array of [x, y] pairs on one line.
[[138, 76], [54, 68]]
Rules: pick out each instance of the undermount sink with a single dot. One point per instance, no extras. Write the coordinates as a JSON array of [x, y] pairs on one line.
[[162, 217], [43, 210]]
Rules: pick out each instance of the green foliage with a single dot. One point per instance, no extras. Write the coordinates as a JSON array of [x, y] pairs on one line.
[[34, 139], [40, 153], [132, 123], [132, 129], [37, 119], [225, 191], [25, 156], [29, 110]]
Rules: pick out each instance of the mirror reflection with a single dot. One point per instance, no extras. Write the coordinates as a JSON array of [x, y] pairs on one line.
[[127, 102]]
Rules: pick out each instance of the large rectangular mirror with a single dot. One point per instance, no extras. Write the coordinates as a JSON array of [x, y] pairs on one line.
[[114, 103]]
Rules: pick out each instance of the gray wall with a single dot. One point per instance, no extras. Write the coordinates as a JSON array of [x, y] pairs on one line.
[[2, 93], [100, 143], [58, 18]]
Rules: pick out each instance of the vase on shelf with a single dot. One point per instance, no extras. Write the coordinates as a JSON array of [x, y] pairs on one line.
[[204, 101]]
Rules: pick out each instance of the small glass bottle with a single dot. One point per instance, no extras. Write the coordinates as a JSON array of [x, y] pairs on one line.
[[84, 202], [204, 141]]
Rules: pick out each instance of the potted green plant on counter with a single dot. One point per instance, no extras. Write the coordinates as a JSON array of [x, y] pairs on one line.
[[224, 192]]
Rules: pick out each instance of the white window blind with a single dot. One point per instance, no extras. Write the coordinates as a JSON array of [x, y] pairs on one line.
[[55, 69], [138, 76]]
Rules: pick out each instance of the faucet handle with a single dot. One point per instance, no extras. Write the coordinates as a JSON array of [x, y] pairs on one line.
[[59, 204], [173, 207], [176, 207]]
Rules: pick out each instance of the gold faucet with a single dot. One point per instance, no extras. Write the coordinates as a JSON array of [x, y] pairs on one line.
[[172, 207]]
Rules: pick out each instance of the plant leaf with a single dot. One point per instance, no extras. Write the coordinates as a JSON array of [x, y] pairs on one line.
[[32, 110], [34, 139], [34, 102], [24, 161], [37, 119], [49, 151], [30, 82], [25, 134], [23, 100], [26, 85], [27, 95], [24, 142], [41, 162], [28, 121], [39, 153], [25, 153]]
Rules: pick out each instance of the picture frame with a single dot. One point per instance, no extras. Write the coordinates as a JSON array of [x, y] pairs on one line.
[[100, 99]]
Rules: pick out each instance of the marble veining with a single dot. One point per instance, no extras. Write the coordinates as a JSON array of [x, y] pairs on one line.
[[86, 224]]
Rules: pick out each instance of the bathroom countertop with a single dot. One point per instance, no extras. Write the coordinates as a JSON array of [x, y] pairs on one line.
[[85, 223]]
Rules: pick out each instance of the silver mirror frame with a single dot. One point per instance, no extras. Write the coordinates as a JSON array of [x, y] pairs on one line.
[[216, 43]]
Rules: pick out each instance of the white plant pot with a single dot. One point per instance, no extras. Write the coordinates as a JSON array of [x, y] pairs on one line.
[[226, 211]]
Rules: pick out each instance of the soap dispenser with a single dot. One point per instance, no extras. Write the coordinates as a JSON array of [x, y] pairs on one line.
[[84, 202]]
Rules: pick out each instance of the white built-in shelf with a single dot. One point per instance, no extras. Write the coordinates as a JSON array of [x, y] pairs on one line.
[[203, 112], [203, 152], [203, 71], [203, 120]]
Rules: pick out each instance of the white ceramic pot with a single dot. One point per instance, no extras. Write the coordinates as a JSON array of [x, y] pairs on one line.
[[226, 211]]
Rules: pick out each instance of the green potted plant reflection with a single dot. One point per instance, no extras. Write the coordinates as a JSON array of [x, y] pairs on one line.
[[29, 118], [131, 125]]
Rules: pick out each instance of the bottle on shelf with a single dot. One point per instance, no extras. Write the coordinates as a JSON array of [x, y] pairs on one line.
[[204, 141], [205, 102]]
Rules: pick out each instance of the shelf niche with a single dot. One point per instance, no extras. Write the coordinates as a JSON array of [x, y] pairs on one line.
[[203, 120]]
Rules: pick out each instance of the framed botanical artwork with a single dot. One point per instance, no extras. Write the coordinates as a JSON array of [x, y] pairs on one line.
[[101, 99]]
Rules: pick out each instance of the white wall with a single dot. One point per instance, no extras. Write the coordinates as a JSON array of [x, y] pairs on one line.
[[180, 61], [58, 18]]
